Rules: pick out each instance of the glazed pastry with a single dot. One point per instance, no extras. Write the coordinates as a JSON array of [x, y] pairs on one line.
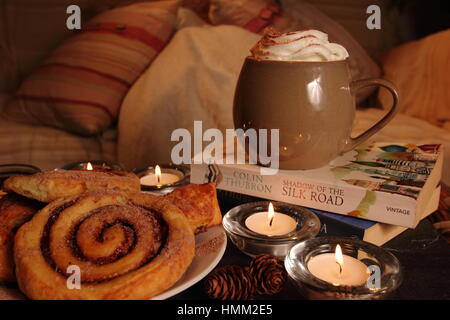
[[126, 246], [52, 185], [199, 204], [15, 210]]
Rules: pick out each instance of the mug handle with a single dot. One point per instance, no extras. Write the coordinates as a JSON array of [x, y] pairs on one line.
[[363, 83]]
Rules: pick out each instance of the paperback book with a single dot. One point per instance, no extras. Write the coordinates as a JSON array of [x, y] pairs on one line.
[[384, 182]]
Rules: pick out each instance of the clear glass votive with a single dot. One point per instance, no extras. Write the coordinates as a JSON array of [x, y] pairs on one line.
[[253, 243], [384, 271], [180, 172]]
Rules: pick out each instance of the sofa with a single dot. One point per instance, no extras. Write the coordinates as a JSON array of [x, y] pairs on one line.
[[194, 75]]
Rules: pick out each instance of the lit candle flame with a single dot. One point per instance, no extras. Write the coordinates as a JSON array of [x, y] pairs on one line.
[[158, 174], [270, 214], [89, 167], [339, 258]]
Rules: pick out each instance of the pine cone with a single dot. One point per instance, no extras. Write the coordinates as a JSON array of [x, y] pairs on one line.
[[230, 283], [269, 273]]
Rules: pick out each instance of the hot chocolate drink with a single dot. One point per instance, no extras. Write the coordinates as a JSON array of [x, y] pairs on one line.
[[300, 83]]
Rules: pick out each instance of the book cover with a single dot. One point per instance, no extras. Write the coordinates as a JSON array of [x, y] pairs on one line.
[[384, 182]]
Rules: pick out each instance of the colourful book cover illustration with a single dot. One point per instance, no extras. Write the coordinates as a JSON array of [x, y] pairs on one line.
[[393, 168], [384, 182]]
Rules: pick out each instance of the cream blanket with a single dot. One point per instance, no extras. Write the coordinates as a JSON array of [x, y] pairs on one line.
[[194, 79]]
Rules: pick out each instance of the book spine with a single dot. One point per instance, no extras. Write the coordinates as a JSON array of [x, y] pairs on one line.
[[331, 197], [333, 227]]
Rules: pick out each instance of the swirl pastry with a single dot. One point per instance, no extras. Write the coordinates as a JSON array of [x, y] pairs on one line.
[[52, 185], [199, 204], [15, 210], [126, 246]]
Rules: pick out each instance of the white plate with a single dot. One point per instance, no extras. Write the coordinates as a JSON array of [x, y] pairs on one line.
[[209, 249]]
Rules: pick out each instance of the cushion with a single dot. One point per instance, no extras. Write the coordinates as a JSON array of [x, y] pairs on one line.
[[81, 85], [422, 78], [30, 29], [256, 15], [25, 40]]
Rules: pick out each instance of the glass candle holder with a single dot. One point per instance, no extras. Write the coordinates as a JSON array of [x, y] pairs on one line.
[[253, 243], [180, 174], [97, 165], [384, 271]]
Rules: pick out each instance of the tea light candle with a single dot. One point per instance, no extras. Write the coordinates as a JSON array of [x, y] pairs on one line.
[[94, 165], [339, 269], [255, 228], [99, 168], [159, 178], [270, 223]]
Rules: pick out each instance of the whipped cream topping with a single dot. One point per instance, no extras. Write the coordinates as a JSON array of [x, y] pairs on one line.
[[304, 45]]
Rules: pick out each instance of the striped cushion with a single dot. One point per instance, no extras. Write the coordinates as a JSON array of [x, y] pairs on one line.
[[29, 30], [80, 86]]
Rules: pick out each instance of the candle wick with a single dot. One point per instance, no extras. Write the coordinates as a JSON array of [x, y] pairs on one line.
[[270, 222], [340, 269], [159, 179]]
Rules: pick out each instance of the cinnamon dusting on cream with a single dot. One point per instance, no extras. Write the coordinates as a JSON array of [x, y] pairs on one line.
[[303, 45]]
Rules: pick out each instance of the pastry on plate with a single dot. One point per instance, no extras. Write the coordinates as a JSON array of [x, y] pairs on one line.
[[199, 204], [116, 245], [15, 210], [52, 185]]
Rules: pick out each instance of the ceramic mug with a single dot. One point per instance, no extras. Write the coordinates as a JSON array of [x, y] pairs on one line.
[[311, 103]]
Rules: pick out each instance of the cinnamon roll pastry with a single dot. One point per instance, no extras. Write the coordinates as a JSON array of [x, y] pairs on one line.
[[199, 204], [52, 185], [15, 210], [125, 246], [6, 256]]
